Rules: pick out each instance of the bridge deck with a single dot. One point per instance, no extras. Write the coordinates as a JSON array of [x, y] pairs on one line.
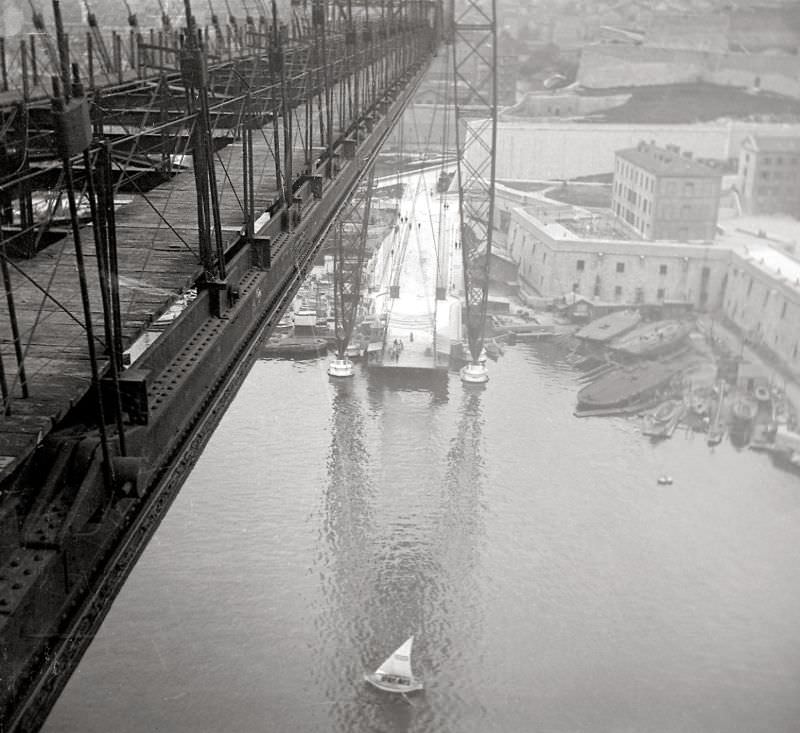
[[157, 245]]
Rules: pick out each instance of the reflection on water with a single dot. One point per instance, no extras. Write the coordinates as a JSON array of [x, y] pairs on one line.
[[550, 582]]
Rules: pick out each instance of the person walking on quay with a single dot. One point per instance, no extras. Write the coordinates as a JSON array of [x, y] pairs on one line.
[[411, 337]]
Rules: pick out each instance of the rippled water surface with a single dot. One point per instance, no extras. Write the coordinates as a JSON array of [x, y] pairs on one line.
[[551, 583]]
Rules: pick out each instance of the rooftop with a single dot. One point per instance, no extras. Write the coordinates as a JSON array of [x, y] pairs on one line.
[[602, 226], [775, 143], [765, 248], [667, 162]]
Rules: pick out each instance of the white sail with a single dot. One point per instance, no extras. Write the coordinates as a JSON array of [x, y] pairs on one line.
[[399, 663]]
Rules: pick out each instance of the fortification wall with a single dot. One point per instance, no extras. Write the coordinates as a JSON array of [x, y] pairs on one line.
[[606, 67]]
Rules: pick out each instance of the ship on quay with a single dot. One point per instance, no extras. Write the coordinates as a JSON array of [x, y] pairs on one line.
[[652, 340], [613, 325]]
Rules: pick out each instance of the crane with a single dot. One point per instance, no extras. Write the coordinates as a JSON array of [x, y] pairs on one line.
[[97, 37]]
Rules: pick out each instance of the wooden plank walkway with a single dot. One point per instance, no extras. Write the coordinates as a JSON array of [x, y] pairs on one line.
[[158, 256]]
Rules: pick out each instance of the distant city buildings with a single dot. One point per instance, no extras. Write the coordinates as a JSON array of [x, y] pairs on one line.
[[769, 175], [662, 193]]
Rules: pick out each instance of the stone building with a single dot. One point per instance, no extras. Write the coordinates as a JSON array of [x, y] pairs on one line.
[[568, 251], [665, 194], [762, 299], [769, 175]]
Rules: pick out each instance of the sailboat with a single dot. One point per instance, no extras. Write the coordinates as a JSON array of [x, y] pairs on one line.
[[395, 675]]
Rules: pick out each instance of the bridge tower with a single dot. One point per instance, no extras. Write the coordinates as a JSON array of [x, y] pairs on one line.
[[350, 240], [473, 31]]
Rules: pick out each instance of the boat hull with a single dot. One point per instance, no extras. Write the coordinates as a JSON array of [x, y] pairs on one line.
[[377, 681]]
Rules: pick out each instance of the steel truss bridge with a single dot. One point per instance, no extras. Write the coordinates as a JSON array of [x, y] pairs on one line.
[[163, 194]]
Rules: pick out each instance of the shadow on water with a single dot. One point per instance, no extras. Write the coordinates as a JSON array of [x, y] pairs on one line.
[[436, 382], [400, 540]]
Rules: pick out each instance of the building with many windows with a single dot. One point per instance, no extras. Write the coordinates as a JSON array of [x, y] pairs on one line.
[[762, 299], [750, 279], [665, 194], [769, 175], [564, 250]]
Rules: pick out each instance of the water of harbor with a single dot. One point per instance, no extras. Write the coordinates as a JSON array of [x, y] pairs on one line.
[[551, 583]]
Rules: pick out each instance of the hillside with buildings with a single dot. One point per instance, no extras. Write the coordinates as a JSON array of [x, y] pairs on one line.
[[692, 111]]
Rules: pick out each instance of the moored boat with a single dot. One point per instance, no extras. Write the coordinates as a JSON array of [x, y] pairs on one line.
[[294, 347], [661, 423], [627, 385]]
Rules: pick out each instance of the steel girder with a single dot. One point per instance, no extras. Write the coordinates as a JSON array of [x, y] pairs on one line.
[[350, 242], [475, 92]]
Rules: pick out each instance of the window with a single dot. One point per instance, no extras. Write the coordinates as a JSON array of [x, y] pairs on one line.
[[579, 265], [617, 292], [660, 294], [783, 310], [620, 267], [662, 269], [767, 161], [688, 189], [750, 287]]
